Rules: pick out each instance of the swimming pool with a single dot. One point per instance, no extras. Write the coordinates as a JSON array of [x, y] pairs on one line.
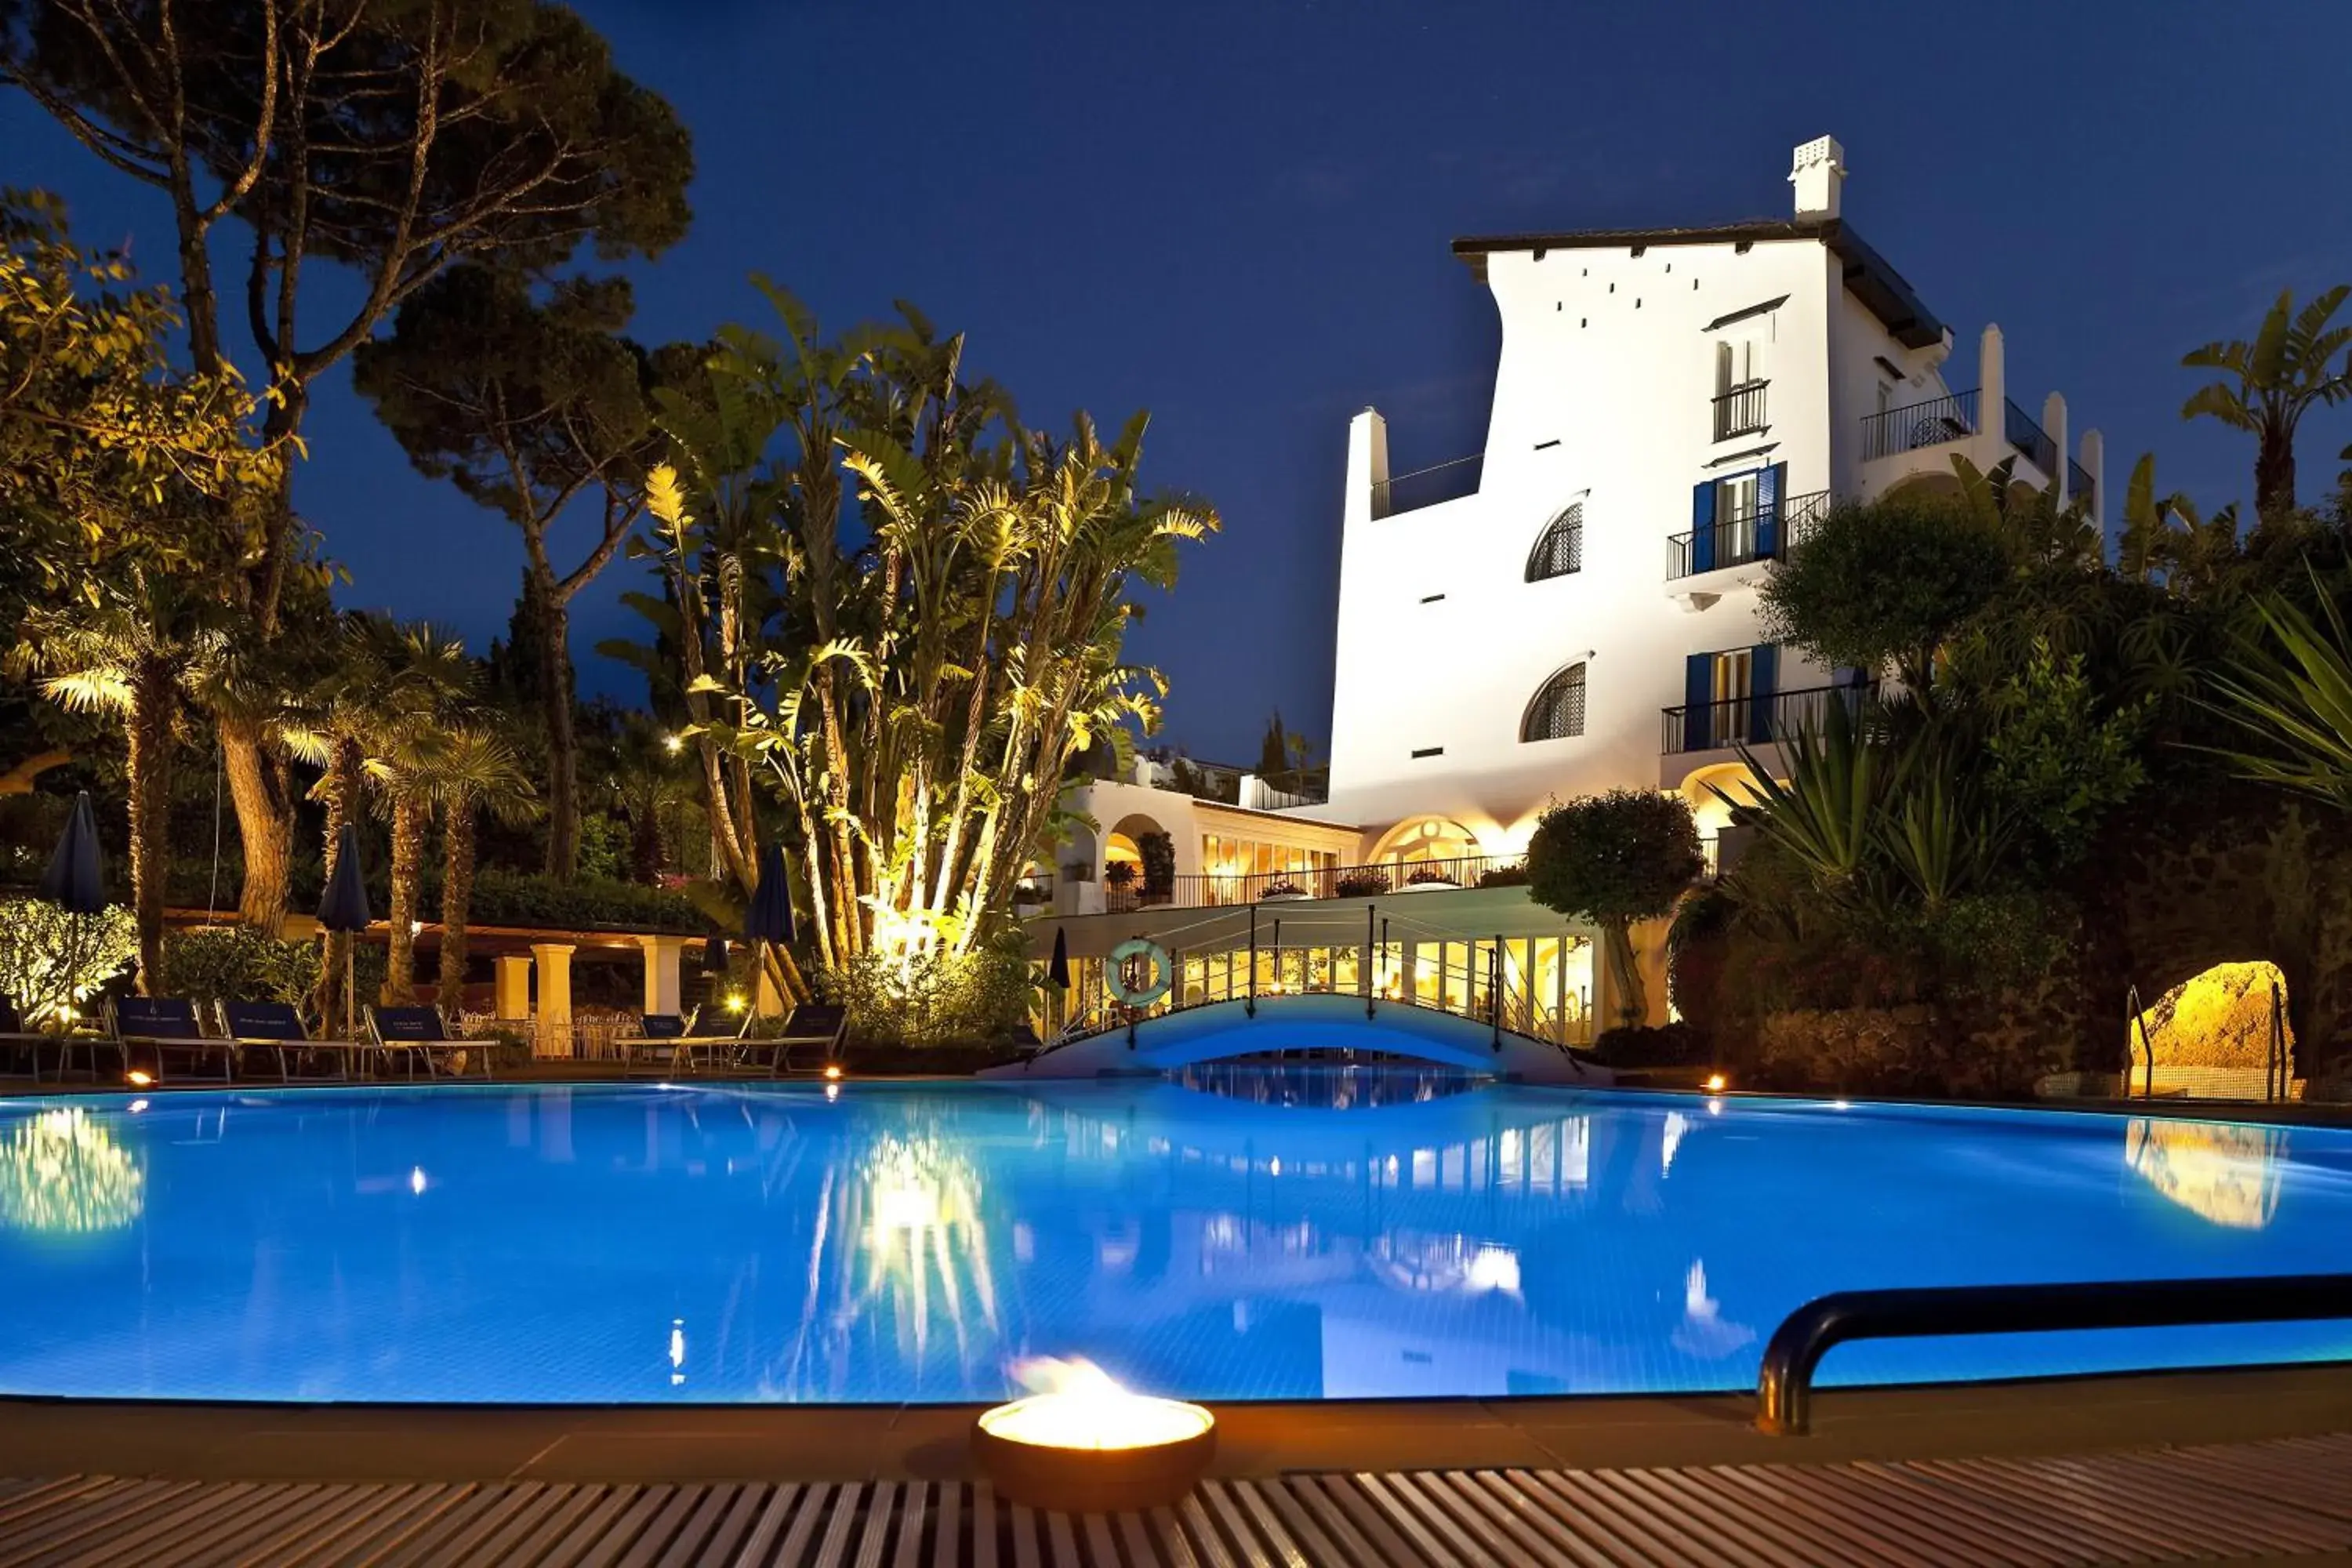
[[1236, 1234]]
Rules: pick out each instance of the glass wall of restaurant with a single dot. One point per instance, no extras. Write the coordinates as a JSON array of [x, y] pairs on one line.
[[1545, 980]]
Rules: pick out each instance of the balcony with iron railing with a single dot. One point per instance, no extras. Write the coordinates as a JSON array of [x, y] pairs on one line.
[[1764, 535], [1753, 720], [1934, 423], [2025, 433], [2080, 487], [1739, 410]]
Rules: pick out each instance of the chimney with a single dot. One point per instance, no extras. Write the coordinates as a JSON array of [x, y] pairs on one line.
[[1818, 171]]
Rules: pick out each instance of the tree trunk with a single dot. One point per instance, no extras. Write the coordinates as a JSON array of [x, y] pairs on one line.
[[150, 799], [265, 825], [2274, 476], [1629, 995], [457, 894], [562, 738], [345, 779], [408, 870]]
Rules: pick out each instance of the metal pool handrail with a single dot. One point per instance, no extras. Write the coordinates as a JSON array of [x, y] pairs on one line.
[[1784, 1384]]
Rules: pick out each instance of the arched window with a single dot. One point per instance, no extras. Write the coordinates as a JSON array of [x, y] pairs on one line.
[[1557, 711], [1560, 550]]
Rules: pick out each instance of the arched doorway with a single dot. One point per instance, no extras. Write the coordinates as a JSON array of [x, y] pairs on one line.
[[1137, 863], [1426, 840]]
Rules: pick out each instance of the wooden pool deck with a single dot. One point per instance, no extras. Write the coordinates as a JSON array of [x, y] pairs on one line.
[[2286, 1499], [2248, 1465]]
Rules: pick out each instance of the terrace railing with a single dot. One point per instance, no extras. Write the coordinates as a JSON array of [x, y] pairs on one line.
[[1739, 410], [1448, 480], [1753, 720], [1918, 425], [2024, 433], [1763, 535], [1216, 889], [2080, 485]]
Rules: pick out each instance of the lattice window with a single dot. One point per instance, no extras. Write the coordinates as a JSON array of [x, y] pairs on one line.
[[1557, 711], [1560, 550]]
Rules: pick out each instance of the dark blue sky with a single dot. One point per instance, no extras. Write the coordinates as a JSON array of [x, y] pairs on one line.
[[1236, 215]]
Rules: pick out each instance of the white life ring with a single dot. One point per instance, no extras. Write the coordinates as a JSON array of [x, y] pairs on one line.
[[1163, 972]]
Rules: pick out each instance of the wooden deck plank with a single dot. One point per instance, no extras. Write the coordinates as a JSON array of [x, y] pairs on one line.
[[2283, 1498]]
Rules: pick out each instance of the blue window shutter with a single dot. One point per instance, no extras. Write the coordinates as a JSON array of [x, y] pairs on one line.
[[1770, 486], [1699, 691], [1763, 681], [1702, 526]]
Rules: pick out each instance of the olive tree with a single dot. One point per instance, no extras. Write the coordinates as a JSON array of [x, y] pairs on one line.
[[1615, 859]]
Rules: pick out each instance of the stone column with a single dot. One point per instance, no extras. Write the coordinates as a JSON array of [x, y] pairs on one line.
[[664, 992], [553, 1038], [512, 989], [2094, 463], [2053, 425], [1367, 494], [1991, 444]]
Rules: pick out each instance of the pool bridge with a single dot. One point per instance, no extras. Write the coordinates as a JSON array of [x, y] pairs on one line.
[[1134, 1042]]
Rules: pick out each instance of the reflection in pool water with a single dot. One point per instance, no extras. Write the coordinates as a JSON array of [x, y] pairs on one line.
[[1305, 1238], [2229, 1174], [62, 1174]]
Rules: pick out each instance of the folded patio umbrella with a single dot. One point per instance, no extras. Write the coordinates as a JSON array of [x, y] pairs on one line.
[[76, 883], [1058, 969], [343, 906], [75, 880], [769, 918], [714, 955]]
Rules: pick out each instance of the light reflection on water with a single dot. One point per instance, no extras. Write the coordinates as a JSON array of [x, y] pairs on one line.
[[1235, 1233]]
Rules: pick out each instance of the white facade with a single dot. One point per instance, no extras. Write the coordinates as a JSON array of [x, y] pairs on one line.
[[1646, 380], [1670, 407]]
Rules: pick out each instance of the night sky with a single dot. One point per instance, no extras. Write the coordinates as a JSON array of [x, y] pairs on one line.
[[1236, 215]]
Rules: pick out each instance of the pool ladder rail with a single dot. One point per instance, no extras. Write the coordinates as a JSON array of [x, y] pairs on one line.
[[1784, 1383]]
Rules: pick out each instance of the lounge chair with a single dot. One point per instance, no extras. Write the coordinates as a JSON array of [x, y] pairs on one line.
[[419, 1032], [277, 1028], [17, 1041], [665, 1042], [157, 1028], [823, 1024]]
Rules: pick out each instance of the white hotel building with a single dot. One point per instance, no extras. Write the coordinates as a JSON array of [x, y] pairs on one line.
[[1573, 609]]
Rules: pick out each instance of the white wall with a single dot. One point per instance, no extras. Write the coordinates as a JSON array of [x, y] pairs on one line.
[[1604, 353]]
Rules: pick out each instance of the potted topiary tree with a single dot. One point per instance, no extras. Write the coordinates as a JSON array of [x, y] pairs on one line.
[[1615, 859]]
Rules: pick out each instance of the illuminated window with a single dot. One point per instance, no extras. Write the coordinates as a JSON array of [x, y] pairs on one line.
[[1557, 711], [1560, 550]]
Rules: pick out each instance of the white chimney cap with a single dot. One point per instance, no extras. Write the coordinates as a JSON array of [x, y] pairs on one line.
[[1818, 171]]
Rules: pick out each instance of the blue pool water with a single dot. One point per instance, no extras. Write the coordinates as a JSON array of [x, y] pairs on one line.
[[1242, 1234]]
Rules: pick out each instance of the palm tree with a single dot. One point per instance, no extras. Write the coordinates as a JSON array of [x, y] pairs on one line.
[[477, 771], [133, 651], [427, 681], [2290, 691], [2278, 377]]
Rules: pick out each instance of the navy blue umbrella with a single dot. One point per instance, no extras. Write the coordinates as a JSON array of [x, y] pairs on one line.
[[714, 955], [75, 880], [769, 919], [344, 908], [76, 883], [769, 916], [1058, 969]]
